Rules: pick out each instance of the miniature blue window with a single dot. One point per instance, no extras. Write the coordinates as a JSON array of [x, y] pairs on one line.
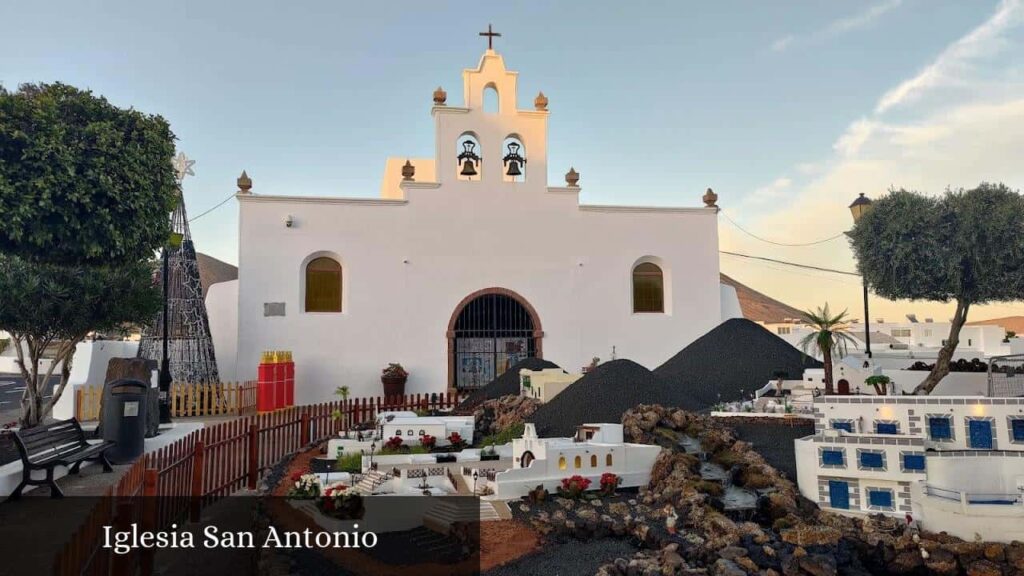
[[939, 428], [872, 460], [886, 428], [880, 498], [832, 457], [913, 461], [1017, 429], [845, 425]]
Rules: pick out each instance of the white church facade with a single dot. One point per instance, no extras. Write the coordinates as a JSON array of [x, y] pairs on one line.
[[465, 264]]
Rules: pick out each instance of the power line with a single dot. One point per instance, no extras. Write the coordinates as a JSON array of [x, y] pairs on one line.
[[221, 203], [756, 237], [794, 264]]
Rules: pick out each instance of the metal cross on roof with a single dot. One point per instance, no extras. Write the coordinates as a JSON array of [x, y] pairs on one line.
[[183, 166], [490, 37]]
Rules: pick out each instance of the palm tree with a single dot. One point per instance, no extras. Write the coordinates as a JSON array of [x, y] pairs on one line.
[[828, 335]]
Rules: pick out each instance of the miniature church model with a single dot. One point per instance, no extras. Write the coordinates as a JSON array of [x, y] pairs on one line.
[[468, 262]]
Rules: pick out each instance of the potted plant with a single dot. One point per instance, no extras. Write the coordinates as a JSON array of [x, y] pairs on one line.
[[393, 378]]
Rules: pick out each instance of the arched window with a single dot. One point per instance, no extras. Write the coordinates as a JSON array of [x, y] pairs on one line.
[[608, 460], [593, 460], [467, 153], [561, 463], [323, 285], [578, 462], [513, 160], [648, 288], [491, 99]]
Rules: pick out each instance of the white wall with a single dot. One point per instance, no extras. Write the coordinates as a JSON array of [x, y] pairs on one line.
[[222, 309], [730, 303], [89, 367], [408, 263], [903, 381]]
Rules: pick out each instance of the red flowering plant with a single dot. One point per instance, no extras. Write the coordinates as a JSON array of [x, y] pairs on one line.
[[428, 441], [574, 486], [455, 439], [394, 444], [339, 502], [609, 482]]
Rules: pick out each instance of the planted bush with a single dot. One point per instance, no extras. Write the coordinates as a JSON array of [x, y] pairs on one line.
[[394, 444], [428, 441], [609, 482], [573, 486]]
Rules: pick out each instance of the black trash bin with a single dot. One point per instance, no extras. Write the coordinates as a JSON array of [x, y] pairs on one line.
[[124, 419]]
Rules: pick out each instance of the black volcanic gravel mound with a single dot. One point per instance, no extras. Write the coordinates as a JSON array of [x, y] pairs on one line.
[[733, 360], [602, 395], [774, 442], [505, 385]]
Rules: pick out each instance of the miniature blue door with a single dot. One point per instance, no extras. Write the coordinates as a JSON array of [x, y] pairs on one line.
[[981, 433], [839, 494]]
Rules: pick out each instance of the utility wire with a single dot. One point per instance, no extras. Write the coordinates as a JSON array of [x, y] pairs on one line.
[[756, 237], [221, 203], [794, 264]]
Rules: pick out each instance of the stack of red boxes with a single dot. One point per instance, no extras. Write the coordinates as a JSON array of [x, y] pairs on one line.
[[275, 388], [266, 397], [289, 379]]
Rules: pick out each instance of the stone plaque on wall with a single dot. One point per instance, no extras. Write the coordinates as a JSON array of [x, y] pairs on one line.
[[273, 308]]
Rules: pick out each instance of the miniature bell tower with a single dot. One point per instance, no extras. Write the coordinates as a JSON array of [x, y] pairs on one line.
[[489, 141]]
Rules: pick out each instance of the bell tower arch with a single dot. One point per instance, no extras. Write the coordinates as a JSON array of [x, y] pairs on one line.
[[492, 129]]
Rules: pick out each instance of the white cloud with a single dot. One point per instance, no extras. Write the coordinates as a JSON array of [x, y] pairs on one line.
[[984, 41], [783, 43], [849, 144], [840, 26]]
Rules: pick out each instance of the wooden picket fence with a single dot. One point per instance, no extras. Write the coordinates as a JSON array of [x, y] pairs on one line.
[[186, 400], [174, 483]]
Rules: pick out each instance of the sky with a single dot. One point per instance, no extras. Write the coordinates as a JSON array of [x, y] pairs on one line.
[[788, 110]]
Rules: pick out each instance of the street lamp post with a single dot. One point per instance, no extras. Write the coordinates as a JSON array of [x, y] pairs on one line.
[[858, 208], [476, 475]]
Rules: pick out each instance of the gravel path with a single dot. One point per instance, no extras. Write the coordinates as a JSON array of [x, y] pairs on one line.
[[573, 558]]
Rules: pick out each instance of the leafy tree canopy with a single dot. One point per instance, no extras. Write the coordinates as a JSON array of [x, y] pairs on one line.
[[965, 246], [82, 181], [44, 306]]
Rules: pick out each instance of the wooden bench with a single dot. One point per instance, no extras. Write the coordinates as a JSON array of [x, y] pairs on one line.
[[59, 443]]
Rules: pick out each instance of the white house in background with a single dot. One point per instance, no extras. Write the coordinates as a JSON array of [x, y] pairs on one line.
[[545, 384], [900, 344], [595, 450], [955, 463], [467, 262], [406, 425]]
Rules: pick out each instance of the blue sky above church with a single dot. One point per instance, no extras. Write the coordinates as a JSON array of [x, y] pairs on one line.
[[787, 110]]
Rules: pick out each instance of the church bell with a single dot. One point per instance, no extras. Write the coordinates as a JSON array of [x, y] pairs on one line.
[[513, 160], [468, 159]]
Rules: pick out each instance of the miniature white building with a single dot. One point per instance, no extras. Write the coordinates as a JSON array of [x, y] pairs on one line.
[[595, 450], [411, 428], [458, 269], [955, 463], [545, 384]]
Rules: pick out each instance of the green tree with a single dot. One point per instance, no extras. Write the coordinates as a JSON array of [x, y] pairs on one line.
[[965, 246], [82, 181], [828, 335], [44, 306]]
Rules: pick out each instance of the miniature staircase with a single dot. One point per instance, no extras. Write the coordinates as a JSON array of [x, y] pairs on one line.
[[448, 511], [370, 482]]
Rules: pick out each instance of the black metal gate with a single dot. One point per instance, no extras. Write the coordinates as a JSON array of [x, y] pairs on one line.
[[492, 333]]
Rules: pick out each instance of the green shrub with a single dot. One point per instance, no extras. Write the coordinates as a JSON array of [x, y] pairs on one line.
[[504, 436], [352, 462]]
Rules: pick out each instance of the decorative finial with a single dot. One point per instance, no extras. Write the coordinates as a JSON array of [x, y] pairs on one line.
[[440, 97], [183, 166], [244, 183], [408, 170], [490, 37], [710, 199], [572, 177], [540, 102]]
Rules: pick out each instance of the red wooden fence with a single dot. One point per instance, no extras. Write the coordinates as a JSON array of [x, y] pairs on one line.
[[174, 483]]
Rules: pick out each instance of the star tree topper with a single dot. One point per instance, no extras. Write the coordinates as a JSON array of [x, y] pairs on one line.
[[183, 166]]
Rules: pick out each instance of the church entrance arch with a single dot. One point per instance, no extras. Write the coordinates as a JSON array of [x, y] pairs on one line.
[[526, 459], [490, 331]]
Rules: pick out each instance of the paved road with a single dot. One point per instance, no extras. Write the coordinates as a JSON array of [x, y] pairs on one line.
[[12, 386]]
